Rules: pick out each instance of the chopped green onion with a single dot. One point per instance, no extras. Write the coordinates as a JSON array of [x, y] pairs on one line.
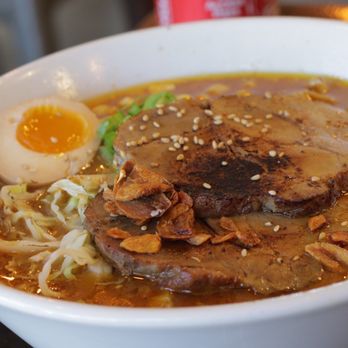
[[158, 98], [107, 130], [107, 154], [134, 109], [109, 138], [111, 124]]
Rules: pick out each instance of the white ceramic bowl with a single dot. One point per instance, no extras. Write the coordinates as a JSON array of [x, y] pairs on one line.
[[316, 318]]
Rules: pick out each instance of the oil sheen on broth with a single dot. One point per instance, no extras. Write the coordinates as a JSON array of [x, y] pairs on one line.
[[15, 271]]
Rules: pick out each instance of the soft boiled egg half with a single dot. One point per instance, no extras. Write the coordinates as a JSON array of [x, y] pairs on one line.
[[43, 140]]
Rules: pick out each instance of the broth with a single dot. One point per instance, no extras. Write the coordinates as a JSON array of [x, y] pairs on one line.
[[15, 271]]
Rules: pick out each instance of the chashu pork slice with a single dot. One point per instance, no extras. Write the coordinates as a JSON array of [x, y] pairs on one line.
[[285, 155], [278, 264]]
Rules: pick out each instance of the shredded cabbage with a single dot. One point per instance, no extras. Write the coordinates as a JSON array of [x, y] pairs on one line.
[[25, 246], [38, 232], [67, 200], [74, 251], [69, 197], [15, 206]]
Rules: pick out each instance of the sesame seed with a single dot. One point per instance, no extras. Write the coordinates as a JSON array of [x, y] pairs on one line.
[[284, 113], [279, 260], [186, 139], [272, 192], [195, 127], [276, 228], [160, 112], [221, 145], [185, 148], [208, 112], [344, 223], [281, 154], [244, 252], [218, 122], [156, 124], [306, 143], [255, 177], [165, 140], [196, 119], [236, 119], [296, 258], [177, 145], [183, 111], [244, 122], [214, 144], [145, 118], [155, 213], [264, 130], [268, 95], [131, 128], [231, 116], [54, 140], [179, 114], [268, 116], [154, 164], [143, 228], [142, 127], [249, 124], [174, 137], [201, 142], [172, 149], [181, 141], [195, 139], [224, 163], [172, 108], [258, 120], [248, 117], [229, 142], [246, 139], [268, 223], [206, 185], [180, 157], [272, 153], [156, 135], [322, 235], [315, 178], [142, 140]]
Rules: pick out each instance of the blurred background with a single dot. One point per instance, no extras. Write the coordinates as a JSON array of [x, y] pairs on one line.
[[33, 28]]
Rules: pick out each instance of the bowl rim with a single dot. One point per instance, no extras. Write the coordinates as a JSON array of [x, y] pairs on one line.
[[184, 317], [288, 305]]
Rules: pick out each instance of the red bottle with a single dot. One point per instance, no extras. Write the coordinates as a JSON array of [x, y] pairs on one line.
[[176, 11]]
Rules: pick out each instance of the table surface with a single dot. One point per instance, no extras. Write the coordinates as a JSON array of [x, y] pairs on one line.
[[7, 338]]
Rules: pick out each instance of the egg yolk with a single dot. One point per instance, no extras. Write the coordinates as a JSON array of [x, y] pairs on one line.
[[51, 129]]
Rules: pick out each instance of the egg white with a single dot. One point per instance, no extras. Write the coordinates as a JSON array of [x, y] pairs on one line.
[[19, 164]]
